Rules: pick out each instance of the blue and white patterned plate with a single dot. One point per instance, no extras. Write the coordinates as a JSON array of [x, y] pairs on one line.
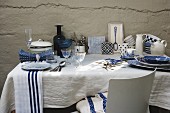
[[142, 61], [156, 59], [113, 61], [135, 63]]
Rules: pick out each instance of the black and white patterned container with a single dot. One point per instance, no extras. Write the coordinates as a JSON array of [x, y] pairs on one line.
[[107, 48]]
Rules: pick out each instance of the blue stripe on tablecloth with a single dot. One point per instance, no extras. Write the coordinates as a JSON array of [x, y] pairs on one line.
[[30, 91], [104, 101], [36, 82], [33, 89], [92, 109]]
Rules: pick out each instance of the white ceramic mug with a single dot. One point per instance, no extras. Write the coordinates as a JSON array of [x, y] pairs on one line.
[[131, 52], [79, 48], [123, 49]]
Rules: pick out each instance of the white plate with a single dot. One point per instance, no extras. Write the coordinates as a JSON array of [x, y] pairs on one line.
[[35, 66], [155, 65]]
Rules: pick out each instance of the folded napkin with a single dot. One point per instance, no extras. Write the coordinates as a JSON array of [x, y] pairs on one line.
[[28, 92], [27, 56], [96, 104]]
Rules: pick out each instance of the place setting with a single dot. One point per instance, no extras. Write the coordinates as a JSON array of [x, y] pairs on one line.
[[39, 55], [36, 64]]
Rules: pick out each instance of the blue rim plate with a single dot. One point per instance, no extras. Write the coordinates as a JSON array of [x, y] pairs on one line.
[[135, 63], [156, 59], [127, 58], [143, 62]]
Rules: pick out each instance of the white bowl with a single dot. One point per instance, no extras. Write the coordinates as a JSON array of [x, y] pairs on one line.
[[40, 46]]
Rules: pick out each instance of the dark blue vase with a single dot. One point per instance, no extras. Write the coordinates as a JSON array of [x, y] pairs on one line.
[[57, 41]]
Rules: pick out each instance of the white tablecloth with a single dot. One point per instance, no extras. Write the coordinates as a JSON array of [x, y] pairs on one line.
[[62, 89]]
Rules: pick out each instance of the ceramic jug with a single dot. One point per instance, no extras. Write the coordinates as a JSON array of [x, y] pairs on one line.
[[158, 47], [139, 44]]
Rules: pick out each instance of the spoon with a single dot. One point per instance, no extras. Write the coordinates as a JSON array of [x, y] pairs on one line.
[[61, 65], [115, 45]]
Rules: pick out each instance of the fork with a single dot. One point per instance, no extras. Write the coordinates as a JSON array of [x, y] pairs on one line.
[[54, 69]]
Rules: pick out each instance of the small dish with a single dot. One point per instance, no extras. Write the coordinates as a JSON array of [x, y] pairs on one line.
[[156, 59], [127, 58], [113, 61]]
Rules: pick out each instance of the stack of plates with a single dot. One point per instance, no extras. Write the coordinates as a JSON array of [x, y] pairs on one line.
[[162, 63], [147, 46]]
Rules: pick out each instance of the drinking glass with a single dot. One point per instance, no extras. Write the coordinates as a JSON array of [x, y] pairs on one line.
[[50, 58], [66, 53], [28, 38], [79, 57]]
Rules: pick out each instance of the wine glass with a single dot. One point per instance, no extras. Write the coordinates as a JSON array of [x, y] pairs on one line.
[[79, 57], [66, 53], [28, 38]]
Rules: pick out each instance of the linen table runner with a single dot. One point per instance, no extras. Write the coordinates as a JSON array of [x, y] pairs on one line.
[[28, 92]]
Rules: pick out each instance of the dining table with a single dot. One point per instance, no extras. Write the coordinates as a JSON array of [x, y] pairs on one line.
[[72, 83]]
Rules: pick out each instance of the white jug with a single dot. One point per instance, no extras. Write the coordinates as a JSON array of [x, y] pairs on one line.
[[158, 47], [139, 44]]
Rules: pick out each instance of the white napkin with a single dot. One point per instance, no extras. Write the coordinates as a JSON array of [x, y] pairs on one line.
[[93, 104], [28, 92]]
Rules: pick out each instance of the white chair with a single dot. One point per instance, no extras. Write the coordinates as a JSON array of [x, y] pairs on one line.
[[129, 95]]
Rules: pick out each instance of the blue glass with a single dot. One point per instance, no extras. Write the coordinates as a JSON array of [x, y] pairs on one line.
[[66, 54]]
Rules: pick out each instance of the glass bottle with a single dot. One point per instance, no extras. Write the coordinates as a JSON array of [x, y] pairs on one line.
[[57, 39]]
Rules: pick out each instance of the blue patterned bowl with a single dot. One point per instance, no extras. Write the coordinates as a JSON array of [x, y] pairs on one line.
[[113, 61], [156, 59]]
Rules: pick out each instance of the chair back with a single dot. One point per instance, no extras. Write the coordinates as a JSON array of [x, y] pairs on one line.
[[129, 95]]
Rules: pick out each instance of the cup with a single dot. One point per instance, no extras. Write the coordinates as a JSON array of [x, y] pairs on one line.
[[51, 58], [123, 49], [79, 57], [131, 52], [79, 48]]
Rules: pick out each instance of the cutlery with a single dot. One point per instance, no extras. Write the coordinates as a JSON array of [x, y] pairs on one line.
[[61, 65], [115, 45], [58, 68], [54, 69]]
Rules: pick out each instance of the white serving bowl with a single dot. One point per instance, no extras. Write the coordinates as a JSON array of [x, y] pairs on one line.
[[40, 46]]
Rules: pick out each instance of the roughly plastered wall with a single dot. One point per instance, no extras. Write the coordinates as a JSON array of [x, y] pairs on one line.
[[87, 17]]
